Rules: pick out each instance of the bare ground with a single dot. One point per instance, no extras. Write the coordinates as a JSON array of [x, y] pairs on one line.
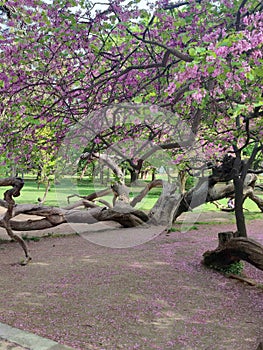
[[153, 296]]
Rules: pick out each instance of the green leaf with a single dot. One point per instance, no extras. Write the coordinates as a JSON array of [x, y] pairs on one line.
[[192, 52], [185, 38], [259, 71], [212, 53]]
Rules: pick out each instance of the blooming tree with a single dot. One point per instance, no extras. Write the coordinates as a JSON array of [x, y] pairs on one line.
[[64, 60]]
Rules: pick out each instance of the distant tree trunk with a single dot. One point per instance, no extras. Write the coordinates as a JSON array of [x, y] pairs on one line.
[[101, 174], [108, 176], [93, 171], [39, 172], [13, 171], [134, 176], [153, 174], [47, 188]]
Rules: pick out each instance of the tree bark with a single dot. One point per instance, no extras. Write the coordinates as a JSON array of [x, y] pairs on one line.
[[232, 249], [239, 213], [205, 192], [164, 209]]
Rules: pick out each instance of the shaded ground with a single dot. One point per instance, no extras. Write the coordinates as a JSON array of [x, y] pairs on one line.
[[153, 296]]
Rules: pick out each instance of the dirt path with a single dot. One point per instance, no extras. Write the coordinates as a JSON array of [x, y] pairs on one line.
[[153, 296]]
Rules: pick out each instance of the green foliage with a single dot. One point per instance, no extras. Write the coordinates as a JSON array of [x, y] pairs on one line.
[[236, 268], [173, 229], [189, 182]]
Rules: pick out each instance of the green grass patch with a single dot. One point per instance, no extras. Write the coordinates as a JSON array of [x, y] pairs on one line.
[[30, 238], [57, 196]]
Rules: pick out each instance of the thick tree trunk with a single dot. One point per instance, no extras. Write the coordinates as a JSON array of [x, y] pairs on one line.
[[205, 192], [164, 209], [201, 194]]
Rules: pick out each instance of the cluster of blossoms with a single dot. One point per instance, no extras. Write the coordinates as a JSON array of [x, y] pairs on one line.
[[60, 64]]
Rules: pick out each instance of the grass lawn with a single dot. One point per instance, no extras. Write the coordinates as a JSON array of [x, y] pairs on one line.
[[57, 195]]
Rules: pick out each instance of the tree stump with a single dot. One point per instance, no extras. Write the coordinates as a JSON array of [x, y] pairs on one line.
[[232, 249]]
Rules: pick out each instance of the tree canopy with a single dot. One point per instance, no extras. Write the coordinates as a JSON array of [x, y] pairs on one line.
[[61, 61]]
